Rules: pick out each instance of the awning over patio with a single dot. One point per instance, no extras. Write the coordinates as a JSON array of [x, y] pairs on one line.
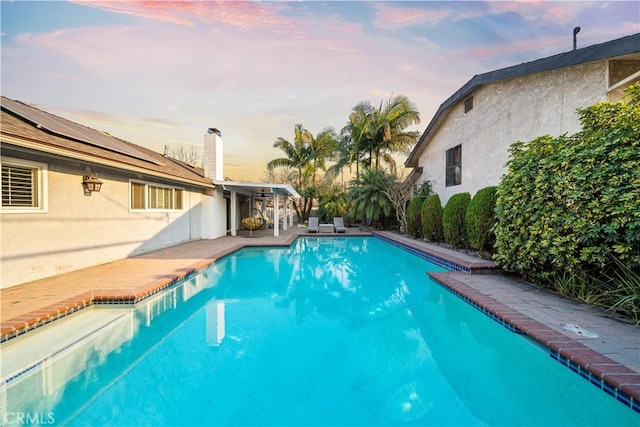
[[259, 188], [262, 190]]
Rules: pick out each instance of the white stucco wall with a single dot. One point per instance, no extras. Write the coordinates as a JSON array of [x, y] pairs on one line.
[[505, 112], [79, 231], [214, 215]]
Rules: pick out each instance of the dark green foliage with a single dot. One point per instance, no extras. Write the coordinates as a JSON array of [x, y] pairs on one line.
[[368, 198], [424, 190], [569, 202], [431, 216], [414, 220], [453, 215], [332, 202], [480, 220]]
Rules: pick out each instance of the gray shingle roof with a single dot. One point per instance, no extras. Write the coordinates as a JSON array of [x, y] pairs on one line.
[[18, 128], [611, 49]]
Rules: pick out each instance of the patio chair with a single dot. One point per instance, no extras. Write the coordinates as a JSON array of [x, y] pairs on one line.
[[338, 225], [313, 226]]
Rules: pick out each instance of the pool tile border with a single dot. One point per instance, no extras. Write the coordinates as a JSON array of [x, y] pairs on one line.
[[615, 379], [438, 257]]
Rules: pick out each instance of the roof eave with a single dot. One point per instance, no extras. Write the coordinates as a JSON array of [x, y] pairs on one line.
[[599, 52], [103, 161], [280, 189]]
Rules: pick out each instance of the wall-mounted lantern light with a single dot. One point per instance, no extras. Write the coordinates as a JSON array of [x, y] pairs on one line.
[[91, 183]]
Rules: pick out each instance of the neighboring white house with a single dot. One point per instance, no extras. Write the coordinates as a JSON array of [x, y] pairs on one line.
[[53, 223], [465, 146]]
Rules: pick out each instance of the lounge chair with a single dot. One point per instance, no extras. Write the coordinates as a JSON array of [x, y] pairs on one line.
[[313, 225], [338, 225]]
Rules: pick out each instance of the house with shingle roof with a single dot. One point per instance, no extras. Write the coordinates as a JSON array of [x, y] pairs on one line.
[[74, 197], [465, 146]]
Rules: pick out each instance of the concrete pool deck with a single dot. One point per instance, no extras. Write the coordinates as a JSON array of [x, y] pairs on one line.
[[600, 347]]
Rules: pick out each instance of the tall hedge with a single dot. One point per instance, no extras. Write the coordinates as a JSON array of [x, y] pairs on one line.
[[414, 220], [453, 214], [566, 203], [431, 216], [480, 219]]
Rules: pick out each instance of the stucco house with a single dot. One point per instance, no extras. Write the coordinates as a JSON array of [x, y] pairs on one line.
[[465, 146], [74, 197]]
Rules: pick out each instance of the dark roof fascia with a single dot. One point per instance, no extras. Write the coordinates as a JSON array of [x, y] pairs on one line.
[[611, 49]]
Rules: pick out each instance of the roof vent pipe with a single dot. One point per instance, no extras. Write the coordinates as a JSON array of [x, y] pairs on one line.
[[576, 30]]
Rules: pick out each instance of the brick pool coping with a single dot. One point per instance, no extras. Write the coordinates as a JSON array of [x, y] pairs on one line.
[[612, 377]]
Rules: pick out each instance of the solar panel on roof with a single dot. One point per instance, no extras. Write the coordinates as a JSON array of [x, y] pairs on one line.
[[67, 128]]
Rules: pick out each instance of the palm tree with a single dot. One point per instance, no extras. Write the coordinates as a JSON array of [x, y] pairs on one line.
[[297, 154], [387, 130], [321, 148], [380, 132], [352, 141], [297, 158], [368, 196], [306, 155]]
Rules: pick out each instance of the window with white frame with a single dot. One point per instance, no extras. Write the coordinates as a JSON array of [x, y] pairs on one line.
[[24, 186], [145, 196]]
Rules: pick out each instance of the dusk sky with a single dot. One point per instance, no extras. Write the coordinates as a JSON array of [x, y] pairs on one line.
[[161, 73]]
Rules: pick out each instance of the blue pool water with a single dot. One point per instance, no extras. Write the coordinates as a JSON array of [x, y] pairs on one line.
[[331, 331]]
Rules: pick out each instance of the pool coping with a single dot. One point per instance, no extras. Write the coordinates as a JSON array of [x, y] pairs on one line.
[[612, 377], [439, 256]]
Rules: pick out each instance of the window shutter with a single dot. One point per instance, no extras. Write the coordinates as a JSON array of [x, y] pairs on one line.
[[19, 186]]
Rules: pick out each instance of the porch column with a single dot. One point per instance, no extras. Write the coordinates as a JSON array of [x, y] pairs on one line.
[[234, 213], [276, 216]]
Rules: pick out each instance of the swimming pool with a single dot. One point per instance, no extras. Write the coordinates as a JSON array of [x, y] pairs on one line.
[[331, 331]]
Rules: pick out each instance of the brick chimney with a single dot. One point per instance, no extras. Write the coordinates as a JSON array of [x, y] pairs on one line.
[[213, 157]]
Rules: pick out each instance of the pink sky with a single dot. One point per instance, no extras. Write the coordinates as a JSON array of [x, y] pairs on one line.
[[161, 73]]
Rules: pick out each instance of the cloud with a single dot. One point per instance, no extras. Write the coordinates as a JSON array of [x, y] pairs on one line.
[[501, 50], [254, 69], [542, 12], [389, 17], [157, 10], [246, 15]]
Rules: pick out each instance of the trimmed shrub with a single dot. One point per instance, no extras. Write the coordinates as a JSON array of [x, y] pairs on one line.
[[431, 216], [570, 203], [453, 216], [480, 220], [414, 220]]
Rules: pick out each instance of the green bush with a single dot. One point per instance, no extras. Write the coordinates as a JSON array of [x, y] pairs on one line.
[[567, 203], [414, 221], [424, 190], [431, 216], [453, 216], [480, 220]]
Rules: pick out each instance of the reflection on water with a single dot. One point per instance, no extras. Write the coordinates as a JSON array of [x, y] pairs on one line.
[[37, 367], [331, 276]]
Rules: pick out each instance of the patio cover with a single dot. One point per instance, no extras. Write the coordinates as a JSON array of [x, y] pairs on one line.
[[261, 189]]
